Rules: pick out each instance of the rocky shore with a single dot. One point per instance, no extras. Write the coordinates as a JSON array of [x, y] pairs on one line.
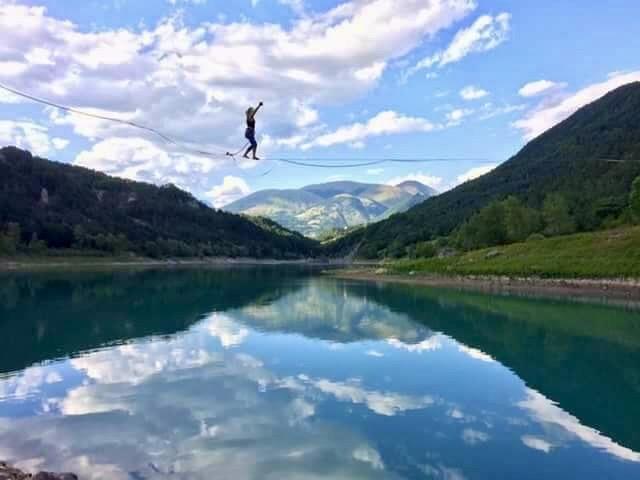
[[9, 473]]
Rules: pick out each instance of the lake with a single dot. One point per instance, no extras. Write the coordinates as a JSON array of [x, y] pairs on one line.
[[286, 374]]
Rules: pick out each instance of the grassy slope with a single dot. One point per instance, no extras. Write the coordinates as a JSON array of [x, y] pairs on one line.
[[610, 253]]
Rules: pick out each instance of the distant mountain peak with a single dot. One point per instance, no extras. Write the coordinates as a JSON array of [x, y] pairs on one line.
[[415, 187], [319, 208]]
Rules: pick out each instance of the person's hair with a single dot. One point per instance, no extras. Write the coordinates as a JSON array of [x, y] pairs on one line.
[[249, 111]]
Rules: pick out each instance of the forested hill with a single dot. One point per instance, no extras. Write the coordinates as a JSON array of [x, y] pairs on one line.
[[568, 160], [72, 207]]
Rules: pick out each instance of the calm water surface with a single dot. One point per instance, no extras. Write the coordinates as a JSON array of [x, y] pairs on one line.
[[267, 374]]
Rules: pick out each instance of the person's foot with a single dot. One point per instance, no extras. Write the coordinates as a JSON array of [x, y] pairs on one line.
[[246, 156], [256, 158]]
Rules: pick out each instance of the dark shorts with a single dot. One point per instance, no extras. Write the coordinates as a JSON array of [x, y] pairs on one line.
[[250, 134]]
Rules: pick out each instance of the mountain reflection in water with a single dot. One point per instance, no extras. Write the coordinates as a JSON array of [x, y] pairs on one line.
[[272, 373]]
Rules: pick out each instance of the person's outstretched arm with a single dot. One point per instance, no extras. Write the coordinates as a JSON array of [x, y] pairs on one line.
[[256, 109]]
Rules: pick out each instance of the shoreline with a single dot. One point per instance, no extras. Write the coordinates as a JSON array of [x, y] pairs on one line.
[[574, 288], [44, 263]]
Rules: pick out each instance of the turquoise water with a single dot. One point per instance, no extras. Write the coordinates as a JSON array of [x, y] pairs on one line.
[[274, 374]]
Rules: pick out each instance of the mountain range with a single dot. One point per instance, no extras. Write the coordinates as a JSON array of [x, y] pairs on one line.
[[317, 209], [590, 159]]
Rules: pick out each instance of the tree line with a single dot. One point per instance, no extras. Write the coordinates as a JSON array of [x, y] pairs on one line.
[[511, 221], [52, 207]]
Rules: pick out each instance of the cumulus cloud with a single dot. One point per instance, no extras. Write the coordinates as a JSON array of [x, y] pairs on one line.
[[384, 123], [139, 395], [141, 159], [539, 87], [30, 136], [28, 383], [547, 115], [485, 34], [382, 403], [365, 453], [537, 443], [230, 333], [9, 98], [195, 82], [231, 189], [455, 117], [472, 92]]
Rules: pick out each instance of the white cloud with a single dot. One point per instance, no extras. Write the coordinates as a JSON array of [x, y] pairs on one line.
[[195, 81], [475, 173], [295, 5], [384, 123], [229, 333], [375, 171], [28, 382], [428, 345], [424, 178], [537, 443], [133, 364], [140, 159], [60, 143], [472, 92], [365, 453], [382, 403], [489, 110], [442, 472], [27, 135], [454, 117], [539, 87], [476, 354], [546, 412], [374, 353], [485, 34], [548, 115], [474, 437], [231, 189], [9, 98]]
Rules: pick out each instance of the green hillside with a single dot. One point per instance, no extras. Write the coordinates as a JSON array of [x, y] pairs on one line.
[[604, 254], [71, 207], [569, 159]]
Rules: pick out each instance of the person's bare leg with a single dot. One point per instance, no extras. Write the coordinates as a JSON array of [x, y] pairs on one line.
[[255, 152], [246, 154]]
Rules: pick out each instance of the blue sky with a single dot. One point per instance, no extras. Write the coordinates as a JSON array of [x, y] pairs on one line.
[[354, 80]]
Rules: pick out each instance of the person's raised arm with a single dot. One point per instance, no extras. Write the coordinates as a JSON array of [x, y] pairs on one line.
[[257, 108]]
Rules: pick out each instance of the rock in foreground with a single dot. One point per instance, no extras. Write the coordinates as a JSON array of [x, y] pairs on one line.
[[10, 473]]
